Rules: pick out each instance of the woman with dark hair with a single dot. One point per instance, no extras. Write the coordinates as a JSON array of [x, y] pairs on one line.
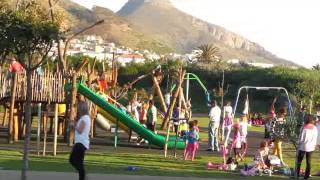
[[81, 142], [307, 144]]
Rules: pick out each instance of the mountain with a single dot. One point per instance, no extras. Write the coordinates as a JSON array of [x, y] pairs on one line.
[[115, 29], [166, 23]]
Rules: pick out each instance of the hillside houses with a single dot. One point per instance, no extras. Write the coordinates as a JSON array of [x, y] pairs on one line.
[[96, 47]]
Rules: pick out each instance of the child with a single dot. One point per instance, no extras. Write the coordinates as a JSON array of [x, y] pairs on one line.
[[195, 122], [183, 128], [196, 128], [192, 137], [243, 135], [176, 116], [236, 143], [261, 156], [261, 161]]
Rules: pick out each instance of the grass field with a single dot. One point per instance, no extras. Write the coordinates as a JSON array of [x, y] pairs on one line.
[[107, 160], [150, 162]]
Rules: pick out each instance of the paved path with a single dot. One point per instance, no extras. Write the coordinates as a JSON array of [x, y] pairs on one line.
[[15, 175]]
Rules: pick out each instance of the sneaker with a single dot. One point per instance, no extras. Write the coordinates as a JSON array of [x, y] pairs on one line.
[[210, 150]]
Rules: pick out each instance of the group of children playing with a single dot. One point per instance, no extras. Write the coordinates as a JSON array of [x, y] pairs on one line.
[[263, 160]]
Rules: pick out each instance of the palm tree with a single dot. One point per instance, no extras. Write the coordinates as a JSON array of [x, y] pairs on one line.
[[316, 67], [208, 53]]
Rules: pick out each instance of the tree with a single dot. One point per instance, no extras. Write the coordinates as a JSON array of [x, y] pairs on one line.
[[316, 67], [62, 58], [310, 88], [208, 54], [30, 35]]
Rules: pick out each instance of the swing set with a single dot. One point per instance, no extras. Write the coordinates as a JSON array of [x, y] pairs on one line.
[[258, 88]]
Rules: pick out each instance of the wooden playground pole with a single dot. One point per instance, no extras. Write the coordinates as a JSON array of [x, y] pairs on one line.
[[45, 117], [16, 125], [167, 139], [151, 95], [173, 101], [73, 105], [158, 90], [11, 110], [39, 128], [55, 136], [73, 109], [166, 120]]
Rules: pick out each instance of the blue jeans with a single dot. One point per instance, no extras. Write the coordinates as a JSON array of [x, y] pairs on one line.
[[213, 136]]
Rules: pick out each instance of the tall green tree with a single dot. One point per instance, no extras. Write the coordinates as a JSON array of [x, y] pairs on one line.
[[208, 53], [310, 88], [30, 34]]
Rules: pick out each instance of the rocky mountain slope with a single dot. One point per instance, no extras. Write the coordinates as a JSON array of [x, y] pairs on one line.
[[166, 23], [115, 29]]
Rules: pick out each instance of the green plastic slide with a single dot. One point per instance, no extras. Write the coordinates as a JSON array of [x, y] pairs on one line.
[[127, 120]]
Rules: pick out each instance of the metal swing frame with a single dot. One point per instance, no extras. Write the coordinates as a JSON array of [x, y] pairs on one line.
[[263, 89], [267, 89]]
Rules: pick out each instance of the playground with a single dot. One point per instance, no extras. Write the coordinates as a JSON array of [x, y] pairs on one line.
[[120, 142], [66, 115]]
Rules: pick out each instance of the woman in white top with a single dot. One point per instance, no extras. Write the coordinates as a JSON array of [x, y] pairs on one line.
[[82, 130], [307, 144]]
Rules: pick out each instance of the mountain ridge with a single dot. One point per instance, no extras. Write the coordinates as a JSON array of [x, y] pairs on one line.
[[114, 29], [158, 26], [143, 14]]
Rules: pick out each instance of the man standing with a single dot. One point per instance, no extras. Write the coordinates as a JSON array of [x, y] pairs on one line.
[[214, 121]]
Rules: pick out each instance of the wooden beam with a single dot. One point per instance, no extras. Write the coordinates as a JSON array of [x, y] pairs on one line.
[[159, 93]]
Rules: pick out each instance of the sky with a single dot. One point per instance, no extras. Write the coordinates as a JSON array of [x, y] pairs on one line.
[[289, 29]]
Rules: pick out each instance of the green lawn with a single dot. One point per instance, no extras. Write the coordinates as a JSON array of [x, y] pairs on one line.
[[150, 163]]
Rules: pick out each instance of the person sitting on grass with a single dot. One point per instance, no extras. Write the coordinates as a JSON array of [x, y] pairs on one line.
[[192, 138], [261, 156], [261, 161], [307, 144]]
